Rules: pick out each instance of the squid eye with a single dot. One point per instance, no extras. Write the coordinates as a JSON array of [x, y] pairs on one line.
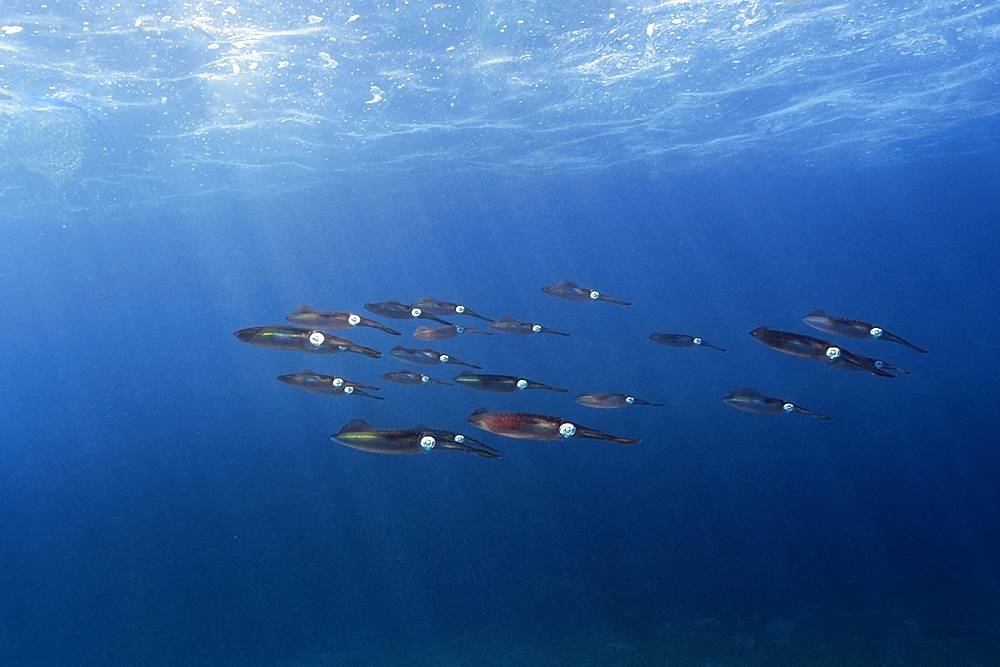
[[537, 328], [348, 390], [338, 382], [630, 400], [459, 309], [696, 341], [594, 294], [788, 407], [879, 364], [567, 430], [522, 384], [459, 438], [444, 358], [832, 352], [353, 320], [416, 312], [460, 330], [427, 442], [316, 338], [875, 332], [424, 378]]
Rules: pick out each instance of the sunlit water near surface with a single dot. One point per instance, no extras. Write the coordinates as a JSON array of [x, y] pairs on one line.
[[174, 172]]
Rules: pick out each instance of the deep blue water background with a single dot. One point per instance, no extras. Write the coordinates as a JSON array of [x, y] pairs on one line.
[[164, 501]]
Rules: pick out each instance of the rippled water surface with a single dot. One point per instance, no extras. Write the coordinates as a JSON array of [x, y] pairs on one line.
[[290, 93]]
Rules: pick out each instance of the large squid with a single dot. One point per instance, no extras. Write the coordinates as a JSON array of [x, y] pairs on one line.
[[524, 426], [807, 347], [278, 337]]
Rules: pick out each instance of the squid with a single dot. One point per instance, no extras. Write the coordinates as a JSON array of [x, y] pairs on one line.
[[807, 347], [509, 325], [306, 316], [359, 435], [400, 311], [499, 384], [429, 305], [410, 378], [278, 337], [841, 326], [427, 357], [611, 401], [751, 400], [682, 340], [569, 291], [524, 426], [328, 385], [444, 333]]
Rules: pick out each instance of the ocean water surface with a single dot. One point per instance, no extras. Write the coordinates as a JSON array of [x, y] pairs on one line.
[[175, 172]]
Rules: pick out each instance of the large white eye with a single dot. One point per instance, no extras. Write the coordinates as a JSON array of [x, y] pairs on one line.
[[875, 332], [444, 358], [354, 320], [348, 390], [537, 328], [630, 400], [832, 352], [424, 378], [522, 384], [459, 309], [316, 338], [567, 430], [460, 330], [594, 294], [427, 442], [459, 438], [416, 312], [788, 407], [338, 382], [696, 341], [879, 364]]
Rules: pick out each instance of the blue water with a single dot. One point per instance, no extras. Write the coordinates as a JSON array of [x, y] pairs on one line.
[[165, 501]]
